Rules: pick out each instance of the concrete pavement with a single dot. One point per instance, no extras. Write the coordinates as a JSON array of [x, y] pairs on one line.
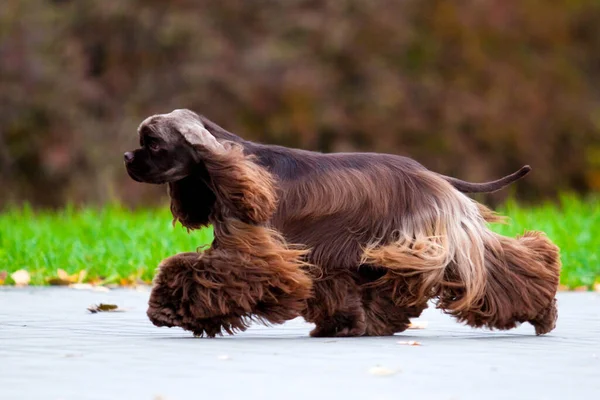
[[51, 347]]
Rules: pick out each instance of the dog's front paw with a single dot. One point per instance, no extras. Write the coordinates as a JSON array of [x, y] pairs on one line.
[[217, 326], [341, 325]]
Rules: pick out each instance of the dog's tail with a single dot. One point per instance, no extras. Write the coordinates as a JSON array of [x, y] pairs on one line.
[[487, 187]]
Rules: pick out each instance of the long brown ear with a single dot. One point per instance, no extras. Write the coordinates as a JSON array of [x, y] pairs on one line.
[[192, 201], [244, 189]]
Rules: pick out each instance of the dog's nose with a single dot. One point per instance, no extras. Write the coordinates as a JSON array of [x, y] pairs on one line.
[[128, 156]]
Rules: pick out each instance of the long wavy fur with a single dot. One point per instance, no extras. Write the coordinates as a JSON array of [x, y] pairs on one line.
[[480, 277], [249, 273], [381, 236]]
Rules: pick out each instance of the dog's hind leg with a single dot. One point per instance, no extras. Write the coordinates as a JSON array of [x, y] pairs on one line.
[[545, 321], [336, 308], [384, 301], [522, 277]]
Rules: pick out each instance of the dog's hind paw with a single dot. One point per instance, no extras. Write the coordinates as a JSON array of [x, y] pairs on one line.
[[545, 321]]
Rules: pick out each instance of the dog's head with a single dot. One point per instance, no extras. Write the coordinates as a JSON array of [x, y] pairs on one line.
[[167, 147]]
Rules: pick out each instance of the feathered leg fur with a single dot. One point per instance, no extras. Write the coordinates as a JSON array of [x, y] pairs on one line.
[[522, 277], [336, 307], [223, 289], [479, 277], [249, 273]]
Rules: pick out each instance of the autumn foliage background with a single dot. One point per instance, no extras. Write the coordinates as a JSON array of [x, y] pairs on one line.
[[473, 89]]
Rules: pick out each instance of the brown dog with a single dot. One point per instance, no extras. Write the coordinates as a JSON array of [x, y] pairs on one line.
[[380, 235]]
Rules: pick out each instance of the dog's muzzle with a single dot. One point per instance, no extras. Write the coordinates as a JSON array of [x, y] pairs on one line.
[[128, 157]]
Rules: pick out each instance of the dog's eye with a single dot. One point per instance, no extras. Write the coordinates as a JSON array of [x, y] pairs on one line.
[[151, 143], [153, 146]]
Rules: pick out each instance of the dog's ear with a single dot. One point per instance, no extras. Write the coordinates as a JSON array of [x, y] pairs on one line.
[[230, 183], [243, 188], [194, 131], [192, 201], [197, 135]]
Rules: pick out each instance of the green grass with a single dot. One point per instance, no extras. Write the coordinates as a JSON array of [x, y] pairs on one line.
[[116, 245], [110, 243], [573, 224]]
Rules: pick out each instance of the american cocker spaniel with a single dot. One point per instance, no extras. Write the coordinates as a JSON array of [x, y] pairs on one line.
[[356, 243]]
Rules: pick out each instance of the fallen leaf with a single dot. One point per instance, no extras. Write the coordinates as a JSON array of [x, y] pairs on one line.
[[132, 280], [57, 282], [81, 286], [96, 281], [3, 275], [88, 286], [418, 325], [62, 274], [103, 307], [21, 277], [126, 281], [62, 278], [382, 371], [410, 343]]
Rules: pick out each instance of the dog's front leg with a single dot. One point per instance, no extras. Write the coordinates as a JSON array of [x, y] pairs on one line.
[[336, 308]]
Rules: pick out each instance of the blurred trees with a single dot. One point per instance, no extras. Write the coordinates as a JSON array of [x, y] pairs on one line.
[[473, 89]]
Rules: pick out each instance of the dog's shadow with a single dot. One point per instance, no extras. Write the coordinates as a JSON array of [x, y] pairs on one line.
[[371, 340]]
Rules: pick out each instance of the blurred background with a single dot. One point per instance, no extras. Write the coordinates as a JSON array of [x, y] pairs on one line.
[[472, 89]]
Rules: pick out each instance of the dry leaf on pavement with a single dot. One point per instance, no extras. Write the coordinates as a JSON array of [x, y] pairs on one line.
[[103, 307], [81, 286], [410, 343], [418, 325], [89, 286], [21, 277], [382, 371]]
